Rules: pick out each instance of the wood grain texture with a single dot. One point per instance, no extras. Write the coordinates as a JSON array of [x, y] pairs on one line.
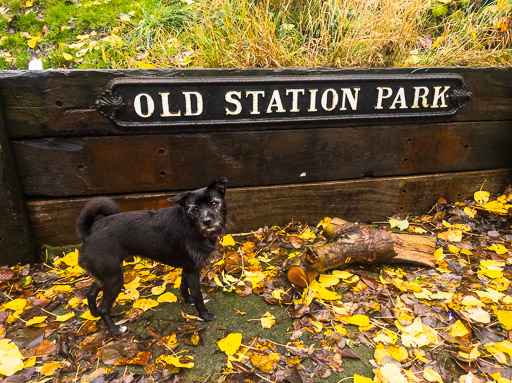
[[249, 208], [16, 239], [61, 103], [148, 163]]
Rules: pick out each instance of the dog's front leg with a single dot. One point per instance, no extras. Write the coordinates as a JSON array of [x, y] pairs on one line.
[[192, 280]]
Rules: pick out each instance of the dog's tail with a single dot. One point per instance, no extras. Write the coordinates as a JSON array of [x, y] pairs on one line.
[[92, 209]]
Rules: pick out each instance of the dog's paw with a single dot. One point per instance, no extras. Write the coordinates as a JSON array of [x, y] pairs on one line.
[[208, 316], [116, 331]]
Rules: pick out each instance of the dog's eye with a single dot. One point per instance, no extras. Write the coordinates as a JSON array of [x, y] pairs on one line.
[[195, 208], [214, 203]]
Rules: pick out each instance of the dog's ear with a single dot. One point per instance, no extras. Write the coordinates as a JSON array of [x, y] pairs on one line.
[[180, 199], [219, 185]]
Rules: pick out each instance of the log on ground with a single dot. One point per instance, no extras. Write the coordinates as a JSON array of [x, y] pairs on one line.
[[354, 244]]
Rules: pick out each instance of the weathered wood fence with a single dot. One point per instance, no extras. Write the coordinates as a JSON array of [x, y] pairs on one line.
[[57, 151]]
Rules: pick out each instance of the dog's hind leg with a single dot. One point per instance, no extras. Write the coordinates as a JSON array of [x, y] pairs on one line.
[[195, 290], [111, 289], [184, 290], [92, 294]]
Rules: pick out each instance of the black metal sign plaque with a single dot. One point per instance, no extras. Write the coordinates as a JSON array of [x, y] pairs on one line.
[[246, 100]]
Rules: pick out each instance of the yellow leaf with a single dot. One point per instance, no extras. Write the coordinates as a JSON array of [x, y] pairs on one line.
[[28, 4], [130, 294], [438, 254], [362, 379], [328, 280], [504, 346], [432, 376], [470, 212], [48, 369], [11, 360], [157, 290], [67, 56], [176, 361], [70, 259], [498, 248], [266, 363], [477, 314], [278, 293], [267, 320], [227, 240], [342, 274], [392, 373], [167, 297], [358, 320], [195, 338], [16, 304], [451, 235], [65, 317], [75, 302], [458, 329], [339, 328], [255, 277], [505, 318], [386, 337], [307, 235], [169, 341], [144, 304], [231, 343], [145, 65], [32, 42], [453, 249], [88, 316], [36, 320], [470, 300], [481, 197], [401, 224], [419, 230], [30, 362]]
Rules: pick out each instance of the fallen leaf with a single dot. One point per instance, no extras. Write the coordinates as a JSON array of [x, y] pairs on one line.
[[231, 343], [172, 360], [267, 320], [11, 359]]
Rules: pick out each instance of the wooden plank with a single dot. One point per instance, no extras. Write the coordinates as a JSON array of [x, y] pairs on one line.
[[56, 103], [363, 200], [120, 164], [17, 243]]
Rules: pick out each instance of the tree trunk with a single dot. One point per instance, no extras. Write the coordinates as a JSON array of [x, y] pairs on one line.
[[360, 244]]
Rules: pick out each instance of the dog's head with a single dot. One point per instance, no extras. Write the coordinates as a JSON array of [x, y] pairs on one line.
[[206, 207]]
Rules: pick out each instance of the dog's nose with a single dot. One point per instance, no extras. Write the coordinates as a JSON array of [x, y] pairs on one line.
[[207, 221]]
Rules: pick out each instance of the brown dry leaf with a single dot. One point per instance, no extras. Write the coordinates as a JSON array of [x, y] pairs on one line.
[[141, 358]]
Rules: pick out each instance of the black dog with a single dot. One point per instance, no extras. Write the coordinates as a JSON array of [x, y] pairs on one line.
[[181, 236]]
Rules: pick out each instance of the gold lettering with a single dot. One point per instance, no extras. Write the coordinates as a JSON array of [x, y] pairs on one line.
[[150, 105], [325, 98], [417, 96], [229, 97], [440, 96], [312, 100], [275, 101], [381, 95], [351, 98], [254, 94], [165, 106], [188, 103], [399, 98], [295, 98]]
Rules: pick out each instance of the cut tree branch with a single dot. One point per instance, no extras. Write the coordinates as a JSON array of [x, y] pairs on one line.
[[351, 243]]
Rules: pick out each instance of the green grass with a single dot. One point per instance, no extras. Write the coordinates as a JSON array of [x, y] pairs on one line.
[[254, 33]]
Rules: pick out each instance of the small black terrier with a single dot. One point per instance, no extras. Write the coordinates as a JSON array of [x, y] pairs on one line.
[[181, 236]]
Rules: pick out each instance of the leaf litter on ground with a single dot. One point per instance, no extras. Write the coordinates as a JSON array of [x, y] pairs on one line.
[[448, 324]]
